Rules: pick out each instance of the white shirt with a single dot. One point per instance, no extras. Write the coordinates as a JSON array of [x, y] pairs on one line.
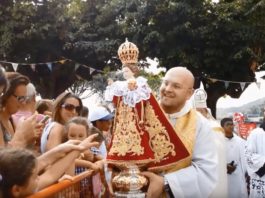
[[255, 154], [237, 186]]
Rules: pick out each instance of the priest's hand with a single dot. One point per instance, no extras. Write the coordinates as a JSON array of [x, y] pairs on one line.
[[156, 184]]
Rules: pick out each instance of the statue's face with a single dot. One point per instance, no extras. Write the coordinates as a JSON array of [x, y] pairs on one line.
[[132, 85], [127, 73]]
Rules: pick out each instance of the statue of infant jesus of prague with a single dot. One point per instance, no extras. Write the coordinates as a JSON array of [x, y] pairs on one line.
[[142, 135]]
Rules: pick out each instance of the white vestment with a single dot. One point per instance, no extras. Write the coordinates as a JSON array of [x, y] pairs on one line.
[[199, 179], [255, 154], [220, 190], [237, 186]]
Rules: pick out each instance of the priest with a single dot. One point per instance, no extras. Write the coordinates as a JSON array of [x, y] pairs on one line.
[[196, 176], [199, 101], [255, 154], [236, 161]]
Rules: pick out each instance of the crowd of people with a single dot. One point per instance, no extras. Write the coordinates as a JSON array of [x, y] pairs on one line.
[[57, 139]]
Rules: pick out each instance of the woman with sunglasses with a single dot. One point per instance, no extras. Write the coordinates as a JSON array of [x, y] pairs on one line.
[[3, 87], [65, 107], [3, 82], [11, 101]]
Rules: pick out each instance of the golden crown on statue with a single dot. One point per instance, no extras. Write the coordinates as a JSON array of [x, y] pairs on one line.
[[128, 52]]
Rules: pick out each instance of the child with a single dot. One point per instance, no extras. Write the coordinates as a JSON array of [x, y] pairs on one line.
[[18, 173], [77, 129], [22, 174], [98, 189]]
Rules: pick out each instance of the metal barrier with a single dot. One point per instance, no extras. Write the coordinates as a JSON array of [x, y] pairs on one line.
[[79, 187]]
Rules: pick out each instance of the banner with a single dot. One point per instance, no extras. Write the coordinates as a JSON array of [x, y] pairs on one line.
[[15, 65], [242, 85], [226, 84], [50, 65], [77, 66], [243, 129], [33, 67]]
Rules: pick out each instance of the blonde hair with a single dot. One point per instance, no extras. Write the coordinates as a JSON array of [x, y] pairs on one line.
[[79, 121]]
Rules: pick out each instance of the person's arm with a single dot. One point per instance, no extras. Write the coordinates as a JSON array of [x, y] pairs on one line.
[[87, 164], [88, 155], [55, 136], [56, 153], [98, 158], [57, 169]]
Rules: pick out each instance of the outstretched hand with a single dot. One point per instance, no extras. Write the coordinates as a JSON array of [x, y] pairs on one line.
[[87, 143], [68, 146]]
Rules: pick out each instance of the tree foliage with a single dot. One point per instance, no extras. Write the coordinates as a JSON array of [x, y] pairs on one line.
[[222, 40]]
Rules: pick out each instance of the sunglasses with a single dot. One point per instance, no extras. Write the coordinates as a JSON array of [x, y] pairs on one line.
[[70, 107], [20, 98]]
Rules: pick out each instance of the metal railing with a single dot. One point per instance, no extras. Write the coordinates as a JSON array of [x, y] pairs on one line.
[[79, 187]]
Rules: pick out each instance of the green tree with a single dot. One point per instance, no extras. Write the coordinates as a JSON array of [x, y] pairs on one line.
[[215, 40]]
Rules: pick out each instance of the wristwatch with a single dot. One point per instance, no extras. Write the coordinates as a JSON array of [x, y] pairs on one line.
[[167, 188]]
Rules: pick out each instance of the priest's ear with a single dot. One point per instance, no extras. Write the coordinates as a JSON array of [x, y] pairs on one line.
[[190, 92]]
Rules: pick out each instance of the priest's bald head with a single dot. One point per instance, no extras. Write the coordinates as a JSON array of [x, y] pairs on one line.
[[176, 89]]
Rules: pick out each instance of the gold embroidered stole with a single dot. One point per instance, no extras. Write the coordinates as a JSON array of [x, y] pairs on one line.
[[215, 126], [186, 130], [218, 129]]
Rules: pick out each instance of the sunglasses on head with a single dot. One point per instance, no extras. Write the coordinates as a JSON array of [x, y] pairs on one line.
[[20, 98], [71, 107]]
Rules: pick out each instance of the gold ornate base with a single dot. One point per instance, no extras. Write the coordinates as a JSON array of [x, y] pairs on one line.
[[128, 183]]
